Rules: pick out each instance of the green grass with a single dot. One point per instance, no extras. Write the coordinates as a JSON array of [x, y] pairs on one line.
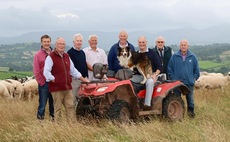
[[211, 64], [6, 75]]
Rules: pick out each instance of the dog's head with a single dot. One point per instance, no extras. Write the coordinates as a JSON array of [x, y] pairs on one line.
[[124, 52]]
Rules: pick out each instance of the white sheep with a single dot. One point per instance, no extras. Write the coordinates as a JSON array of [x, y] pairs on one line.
[[30, 88], [212, 82], [18, 90], [9, 87], [210, 74], [4, 92]]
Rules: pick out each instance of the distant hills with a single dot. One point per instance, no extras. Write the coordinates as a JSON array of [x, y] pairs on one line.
[[215, 34]]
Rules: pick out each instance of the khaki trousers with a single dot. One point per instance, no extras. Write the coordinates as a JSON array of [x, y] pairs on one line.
[[64, 98], [75, 88]]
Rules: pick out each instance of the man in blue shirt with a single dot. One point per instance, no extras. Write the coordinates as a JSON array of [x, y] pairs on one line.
[[112, 56], [183, 66]]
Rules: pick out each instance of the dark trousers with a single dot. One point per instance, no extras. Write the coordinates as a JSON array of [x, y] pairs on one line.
[[44, 96]]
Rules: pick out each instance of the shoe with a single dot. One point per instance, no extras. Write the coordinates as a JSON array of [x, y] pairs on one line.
[[40, 117], [191, 114], [147, 107], [52, 118]]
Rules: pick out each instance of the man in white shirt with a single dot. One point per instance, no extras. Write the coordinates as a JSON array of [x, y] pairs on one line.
[[58, 71], [94, 55]]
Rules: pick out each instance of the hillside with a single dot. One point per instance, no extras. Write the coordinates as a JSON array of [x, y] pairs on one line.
[[19, 57], [214, 34]]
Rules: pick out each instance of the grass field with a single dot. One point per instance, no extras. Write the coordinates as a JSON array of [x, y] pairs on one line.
[[212, 124], [6, 75], [211, 64]]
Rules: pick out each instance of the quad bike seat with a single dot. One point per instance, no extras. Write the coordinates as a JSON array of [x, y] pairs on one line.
[[138, 87]]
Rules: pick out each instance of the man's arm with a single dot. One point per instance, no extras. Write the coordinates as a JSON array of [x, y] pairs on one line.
[[47, 69]]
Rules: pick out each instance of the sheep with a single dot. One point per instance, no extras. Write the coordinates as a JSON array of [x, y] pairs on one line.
[[212, 82], [9, 87], [203, 73], [4, 92], [18, 90], [30, 89], [211, 74], [28, 78]]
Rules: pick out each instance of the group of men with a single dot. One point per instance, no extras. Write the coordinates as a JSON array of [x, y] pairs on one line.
[[59, 74]]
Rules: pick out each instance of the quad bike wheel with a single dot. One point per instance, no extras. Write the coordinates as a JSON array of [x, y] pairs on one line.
[[173, 107], [119, 111]]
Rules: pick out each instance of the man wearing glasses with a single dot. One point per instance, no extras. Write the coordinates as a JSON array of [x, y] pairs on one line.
[[164, 52], [58, 71]]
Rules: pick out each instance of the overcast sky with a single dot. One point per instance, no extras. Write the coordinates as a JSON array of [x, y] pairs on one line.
[[22, 16]]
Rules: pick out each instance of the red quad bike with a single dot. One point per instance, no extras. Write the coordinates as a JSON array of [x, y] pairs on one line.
[[116, 99]]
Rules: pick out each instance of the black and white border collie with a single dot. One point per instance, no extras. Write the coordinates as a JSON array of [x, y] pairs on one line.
[[131, 59]]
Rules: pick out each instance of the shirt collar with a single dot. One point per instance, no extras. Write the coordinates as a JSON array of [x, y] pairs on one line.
[[91, 49], [125, 45], [76, 48], [158, 49], [147, 50], [46, 51]]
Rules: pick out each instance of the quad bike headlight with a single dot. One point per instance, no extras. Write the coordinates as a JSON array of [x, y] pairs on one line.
[[101, 89]]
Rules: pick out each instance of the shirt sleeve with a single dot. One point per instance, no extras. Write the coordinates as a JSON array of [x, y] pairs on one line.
[[197, 69], [47, 69], [110, 58], [170, 69], [73, 71], [37, 71], [105, 60]]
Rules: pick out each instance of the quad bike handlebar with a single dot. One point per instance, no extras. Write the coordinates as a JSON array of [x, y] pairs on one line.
[[100, 81]]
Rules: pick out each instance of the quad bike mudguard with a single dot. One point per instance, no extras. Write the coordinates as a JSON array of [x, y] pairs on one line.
[[98, 88], [163, 89], [112, 90]]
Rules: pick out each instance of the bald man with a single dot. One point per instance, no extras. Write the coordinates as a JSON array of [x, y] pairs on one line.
[[156, 68], [184, 66]]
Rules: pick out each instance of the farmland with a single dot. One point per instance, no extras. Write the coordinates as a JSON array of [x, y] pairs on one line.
[[18, 122]]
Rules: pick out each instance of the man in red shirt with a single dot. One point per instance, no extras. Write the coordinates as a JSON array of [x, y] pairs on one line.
[[38, 67]]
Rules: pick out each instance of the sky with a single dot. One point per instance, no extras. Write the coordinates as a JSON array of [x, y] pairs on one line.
[[22, 16]]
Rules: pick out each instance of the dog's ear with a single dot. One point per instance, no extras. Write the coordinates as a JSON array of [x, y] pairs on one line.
[[128, 48], [119, 51]]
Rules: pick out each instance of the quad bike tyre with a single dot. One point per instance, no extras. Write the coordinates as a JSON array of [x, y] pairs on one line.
[[119, 111], [173, 107]]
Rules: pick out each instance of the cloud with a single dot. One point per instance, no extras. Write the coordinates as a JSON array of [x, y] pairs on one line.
[[20, 16], [67, 15]]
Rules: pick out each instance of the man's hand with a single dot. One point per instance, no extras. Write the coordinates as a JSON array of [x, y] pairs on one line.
[[84, 79], [104, 78], [154, 77]]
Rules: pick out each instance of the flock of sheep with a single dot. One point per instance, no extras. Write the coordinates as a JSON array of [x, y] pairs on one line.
[[212, 81], [14, 89]]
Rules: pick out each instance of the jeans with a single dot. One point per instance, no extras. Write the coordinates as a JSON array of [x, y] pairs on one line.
[[149, 86], [44, 95], [189, 98], [149, 91]]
